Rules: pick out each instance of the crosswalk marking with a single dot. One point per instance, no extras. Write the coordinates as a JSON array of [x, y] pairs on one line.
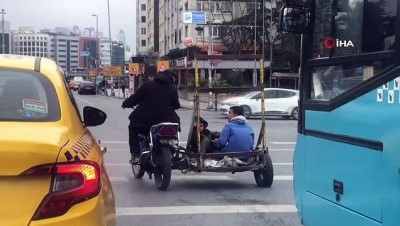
[[182, 210]]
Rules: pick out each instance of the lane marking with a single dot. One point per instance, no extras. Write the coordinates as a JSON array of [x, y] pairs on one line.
[[278, 142], [85, 101], [182, 210], [118, 179], [203, 177]]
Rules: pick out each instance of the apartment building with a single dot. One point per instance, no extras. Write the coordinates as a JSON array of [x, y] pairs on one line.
[[153, 21], [172, 30], [27, 42], [105, 57], [141, 26], [64, 49]]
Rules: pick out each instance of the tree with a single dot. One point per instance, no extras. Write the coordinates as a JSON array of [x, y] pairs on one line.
[[179, 53]]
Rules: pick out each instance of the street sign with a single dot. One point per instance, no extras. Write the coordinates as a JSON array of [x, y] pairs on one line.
[[114, 70], [162, 65], [188, 41], [117, 70], [195, 17], [134, 69]]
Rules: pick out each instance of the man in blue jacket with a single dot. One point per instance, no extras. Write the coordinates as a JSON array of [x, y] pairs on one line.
[[237, 135]]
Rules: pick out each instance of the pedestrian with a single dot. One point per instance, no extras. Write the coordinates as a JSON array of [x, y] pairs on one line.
[[123, 85]]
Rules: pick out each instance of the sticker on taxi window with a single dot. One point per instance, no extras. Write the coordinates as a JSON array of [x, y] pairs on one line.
[[34, 105]]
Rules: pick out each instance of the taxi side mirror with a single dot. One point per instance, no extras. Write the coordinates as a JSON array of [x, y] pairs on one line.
[[93, 116]]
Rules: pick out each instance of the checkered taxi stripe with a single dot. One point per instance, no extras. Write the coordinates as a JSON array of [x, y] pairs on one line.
[[81, 149]]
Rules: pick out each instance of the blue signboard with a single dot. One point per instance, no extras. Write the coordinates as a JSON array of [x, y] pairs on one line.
[[199, 18], [194, 17], [85, 53]]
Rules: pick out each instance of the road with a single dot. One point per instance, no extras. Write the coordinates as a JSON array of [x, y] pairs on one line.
[[197, 199]]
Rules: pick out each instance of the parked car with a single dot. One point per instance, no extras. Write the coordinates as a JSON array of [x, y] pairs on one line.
[[52, 168], [78, 81], [278, 102], [87, 87], [71, 84]]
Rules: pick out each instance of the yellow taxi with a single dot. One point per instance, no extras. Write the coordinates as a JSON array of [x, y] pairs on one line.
[[51, 167]]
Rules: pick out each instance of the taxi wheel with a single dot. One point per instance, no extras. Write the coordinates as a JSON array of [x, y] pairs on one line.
[[138, 171], [265, 176], [162, 174]]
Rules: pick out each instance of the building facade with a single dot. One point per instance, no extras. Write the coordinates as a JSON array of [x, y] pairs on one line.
[[141, 26], [153, 23], [88, 50], [65, 51], [7, 38], [105, 57], [26, 42]]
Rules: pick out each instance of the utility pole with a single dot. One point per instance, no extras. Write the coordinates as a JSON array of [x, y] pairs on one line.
[[97, 51], [210, 103], [270, 49], [255, 44], [109, 37], [2, 38], [263, 30]]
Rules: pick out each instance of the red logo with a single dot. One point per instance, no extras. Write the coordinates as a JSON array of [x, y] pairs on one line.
[[329, 43]]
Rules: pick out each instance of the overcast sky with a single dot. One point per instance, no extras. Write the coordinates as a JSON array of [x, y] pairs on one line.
[[67, 13]]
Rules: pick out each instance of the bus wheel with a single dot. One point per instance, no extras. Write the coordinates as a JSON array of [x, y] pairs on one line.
[[265, 176]]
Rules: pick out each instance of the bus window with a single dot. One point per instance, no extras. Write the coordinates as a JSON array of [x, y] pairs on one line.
[[337, 28], [379, 26], [331, 81]]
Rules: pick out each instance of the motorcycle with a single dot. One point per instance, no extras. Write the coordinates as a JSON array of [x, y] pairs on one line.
[[159, 149]]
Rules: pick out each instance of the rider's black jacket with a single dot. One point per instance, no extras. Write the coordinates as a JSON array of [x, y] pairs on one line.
[[157, 102]]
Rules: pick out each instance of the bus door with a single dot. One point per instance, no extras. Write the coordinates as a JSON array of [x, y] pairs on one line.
[[347, 156]]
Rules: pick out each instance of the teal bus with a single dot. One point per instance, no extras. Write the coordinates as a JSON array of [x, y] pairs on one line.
[[346, 163]]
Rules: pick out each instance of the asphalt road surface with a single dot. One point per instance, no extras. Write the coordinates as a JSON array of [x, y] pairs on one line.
[[197, 199]]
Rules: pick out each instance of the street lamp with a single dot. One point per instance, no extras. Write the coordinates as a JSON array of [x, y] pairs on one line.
[[97, 51], [2, 39]]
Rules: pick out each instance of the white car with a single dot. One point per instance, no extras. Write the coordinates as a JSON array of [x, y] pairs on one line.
[[278, 102]]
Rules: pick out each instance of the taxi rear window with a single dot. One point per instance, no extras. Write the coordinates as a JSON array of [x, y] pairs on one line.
[[27, 96]]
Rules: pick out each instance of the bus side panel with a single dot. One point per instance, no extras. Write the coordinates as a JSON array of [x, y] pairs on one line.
[[358, 168], [299, 172], [321, 212], [370, 177]]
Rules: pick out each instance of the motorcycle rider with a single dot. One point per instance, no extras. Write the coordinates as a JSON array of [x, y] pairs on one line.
[[157, 101]]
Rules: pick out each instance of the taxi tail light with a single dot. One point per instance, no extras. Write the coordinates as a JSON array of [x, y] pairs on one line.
[[72, 183]]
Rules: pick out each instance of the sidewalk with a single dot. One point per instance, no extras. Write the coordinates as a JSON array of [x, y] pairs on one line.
[[184, 102]]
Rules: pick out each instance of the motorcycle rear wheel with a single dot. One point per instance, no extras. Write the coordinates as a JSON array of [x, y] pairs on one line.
[[162, 174]]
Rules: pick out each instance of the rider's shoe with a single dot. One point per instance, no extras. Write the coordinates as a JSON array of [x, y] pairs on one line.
[[134, 159]]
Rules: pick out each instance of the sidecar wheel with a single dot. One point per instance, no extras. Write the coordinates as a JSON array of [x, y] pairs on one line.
[[162, 174], [264, 177]]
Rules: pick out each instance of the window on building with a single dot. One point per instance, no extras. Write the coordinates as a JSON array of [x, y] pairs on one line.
[[143, 42], [143, 7], [143, 19], [143, 31]]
